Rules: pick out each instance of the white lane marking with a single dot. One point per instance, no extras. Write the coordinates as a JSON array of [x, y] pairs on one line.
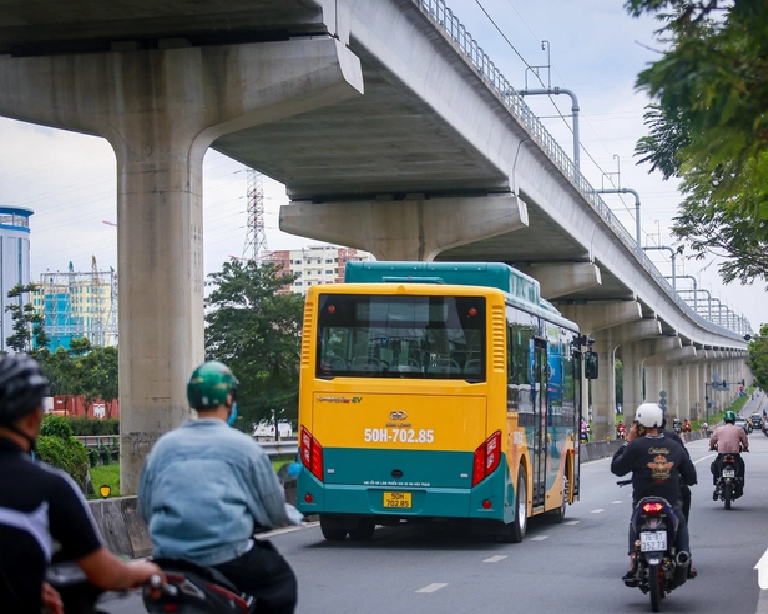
[[431, 588], [617, 501], [539, 538], [495, 559], [572, 523], [304, 525], [597, 511], [703, 458], [762, 571]]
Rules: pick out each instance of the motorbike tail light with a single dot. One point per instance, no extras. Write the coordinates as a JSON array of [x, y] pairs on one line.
[[487, 458], [652, 508], [728, 459], [311, 453]]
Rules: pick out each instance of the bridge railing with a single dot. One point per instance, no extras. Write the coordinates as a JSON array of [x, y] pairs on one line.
[[455, 32]]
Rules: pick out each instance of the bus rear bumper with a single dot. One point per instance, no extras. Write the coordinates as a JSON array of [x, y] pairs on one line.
[[484, 501]]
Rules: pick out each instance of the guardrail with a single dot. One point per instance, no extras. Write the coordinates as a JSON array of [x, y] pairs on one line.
[[280, 448], [444, 19], [288, 447], [595, 450], [99, 441]]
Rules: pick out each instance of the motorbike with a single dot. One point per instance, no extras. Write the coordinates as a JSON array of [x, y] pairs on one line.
[[729, 487], [660, 568], [189, 589], [194, 589]]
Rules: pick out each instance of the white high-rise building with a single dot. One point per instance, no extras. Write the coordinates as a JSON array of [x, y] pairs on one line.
[[14, 263], [316, 264]]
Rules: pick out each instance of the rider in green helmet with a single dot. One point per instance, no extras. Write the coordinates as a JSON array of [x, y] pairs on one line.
[[210, 387], [206, 487], [728, 439]]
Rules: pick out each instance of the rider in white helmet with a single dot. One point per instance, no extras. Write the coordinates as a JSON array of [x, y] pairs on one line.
[[656, 462]]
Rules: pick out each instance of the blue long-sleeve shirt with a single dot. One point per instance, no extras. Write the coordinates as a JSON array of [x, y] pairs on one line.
[[202, 487]]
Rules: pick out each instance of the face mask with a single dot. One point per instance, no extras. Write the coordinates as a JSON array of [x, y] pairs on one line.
[[232, 415]]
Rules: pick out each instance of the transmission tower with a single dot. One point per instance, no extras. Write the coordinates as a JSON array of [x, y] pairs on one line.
[[255, 246]]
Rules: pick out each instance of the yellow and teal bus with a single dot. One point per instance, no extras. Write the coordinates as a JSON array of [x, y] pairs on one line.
[[437, 391]]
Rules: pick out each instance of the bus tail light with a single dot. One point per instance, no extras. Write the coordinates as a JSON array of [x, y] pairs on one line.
[[487, 458], [311, 453]]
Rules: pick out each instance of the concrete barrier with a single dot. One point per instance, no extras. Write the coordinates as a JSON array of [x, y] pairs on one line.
[[121, 526]]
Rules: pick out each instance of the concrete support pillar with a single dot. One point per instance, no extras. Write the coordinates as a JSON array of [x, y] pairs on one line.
[[682, 392], [411, 229], [653, 382], [160, 110], [632, 355], [604, 389]]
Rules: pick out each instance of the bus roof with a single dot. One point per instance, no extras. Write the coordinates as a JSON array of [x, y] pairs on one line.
[[524, 290]]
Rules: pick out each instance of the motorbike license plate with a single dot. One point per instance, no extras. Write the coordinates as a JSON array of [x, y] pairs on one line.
[[729, 473], [653, 541], [397, 499]]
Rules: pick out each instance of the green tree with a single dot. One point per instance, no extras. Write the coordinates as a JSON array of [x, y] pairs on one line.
[[99, 377], [26, 323], [758, 358], [256, 330], [58, 448], [708, 125]]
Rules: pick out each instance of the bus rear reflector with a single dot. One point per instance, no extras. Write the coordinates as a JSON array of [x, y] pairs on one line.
[[311, 453], [487, 458]]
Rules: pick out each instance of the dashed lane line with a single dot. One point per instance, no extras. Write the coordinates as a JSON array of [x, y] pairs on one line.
[[539, 538], [431, 588], [572, 523], [597, 511], [617, 501], [304, 525], [495, 559], [703, 458]]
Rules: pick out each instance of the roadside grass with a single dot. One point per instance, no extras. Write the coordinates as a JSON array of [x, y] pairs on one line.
[[106, 474]]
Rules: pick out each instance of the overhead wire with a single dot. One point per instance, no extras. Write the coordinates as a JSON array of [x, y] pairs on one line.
[[554, 104]]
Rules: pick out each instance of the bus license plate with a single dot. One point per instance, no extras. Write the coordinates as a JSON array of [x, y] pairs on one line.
[[653, 541], [729, 473], [397, 499]]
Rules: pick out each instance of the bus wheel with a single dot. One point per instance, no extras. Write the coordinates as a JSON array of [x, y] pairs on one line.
[[363, 531], [331, 531], [559, 513], [515, 531]]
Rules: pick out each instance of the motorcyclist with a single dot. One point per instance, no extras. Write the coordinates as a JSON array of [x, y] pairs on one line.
[[656, 461], [621, 430], [726, 440], [205, 487], [685, 490], [40, 505]]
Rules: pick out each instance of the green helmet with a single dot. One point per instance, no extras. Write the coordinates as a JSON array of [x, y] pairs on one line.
[[210, 384], [729, 416]]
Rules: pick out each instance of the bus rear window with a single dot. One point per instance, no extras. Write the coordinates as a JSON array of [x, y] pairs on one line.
[[412, 337]]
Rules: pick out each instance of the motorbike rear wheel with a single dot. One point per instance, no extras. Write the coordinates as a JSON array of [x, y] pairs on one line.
[[727, 493], [654, 587]]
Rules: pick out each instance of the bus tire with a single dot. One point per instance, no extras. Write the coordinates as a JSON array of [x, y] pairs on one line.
[[515, 531], [559, 513], [331, 531], [363, 531]]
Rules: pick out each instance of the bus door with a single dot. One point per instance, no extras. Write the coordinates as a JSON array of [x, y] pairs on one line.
[[540, 423]]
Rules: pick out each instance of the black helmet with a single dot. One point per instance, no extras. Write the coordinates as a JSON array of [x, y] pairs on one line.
[[22, 387]]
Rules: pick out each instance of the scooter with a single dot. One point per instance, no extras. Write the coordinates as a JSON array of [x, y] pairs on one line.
[[660, 568]]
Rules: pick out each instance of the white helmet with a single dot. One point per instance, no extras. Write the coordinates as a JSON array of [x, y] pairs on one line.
[[649, 415]]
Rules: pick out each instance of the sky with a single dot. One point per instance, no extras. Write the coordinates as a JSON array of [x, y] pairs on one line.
[[596, 50]]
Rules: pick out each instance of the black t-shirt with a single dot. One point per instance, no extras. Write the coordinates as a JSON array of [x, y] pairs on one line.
[[38, 505], [657, 463]]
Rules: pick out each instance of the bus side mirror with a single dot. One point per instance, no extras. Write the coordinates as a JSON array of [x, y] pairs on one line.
[[590, 365]]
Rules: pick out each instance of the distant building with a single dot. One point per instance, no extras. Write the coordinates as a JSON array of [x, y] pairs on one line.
[[78, 304], [316, 264], [14, 262]]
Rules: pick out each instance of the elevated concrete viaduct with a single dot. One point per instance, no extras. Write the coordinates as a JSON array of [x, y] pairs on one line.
[[393, 132]]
